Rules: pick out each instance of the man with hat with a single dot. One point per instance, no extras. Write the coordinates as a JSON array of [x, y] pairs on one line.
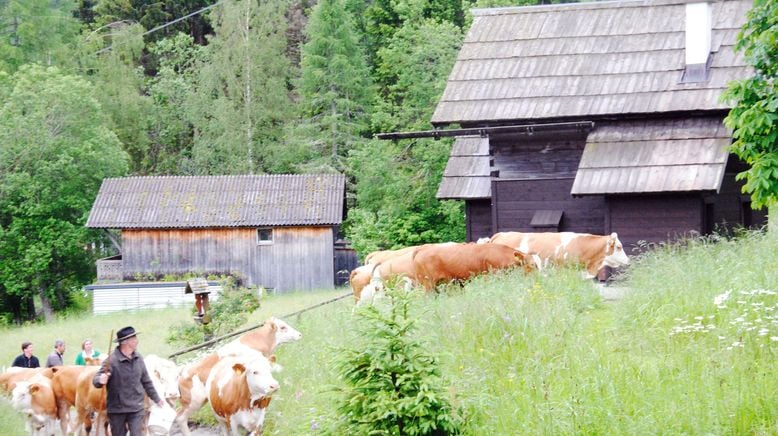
[[124, 375]]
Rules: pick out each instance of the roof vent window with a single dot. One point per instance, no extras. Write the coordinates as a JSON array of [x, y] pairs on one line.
[[698, 42]]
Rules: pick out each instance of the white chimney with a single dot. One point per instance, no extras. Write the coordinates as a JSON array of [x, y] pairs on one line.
[[698, 33]]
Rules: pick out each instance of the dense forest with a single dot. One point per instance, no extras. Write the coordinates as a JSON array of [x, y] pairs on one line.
[[105, 88]]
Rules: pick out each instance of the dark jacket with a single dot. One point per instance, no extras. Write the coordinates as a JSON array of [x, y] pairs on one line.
[[24, 362], [127, 383]]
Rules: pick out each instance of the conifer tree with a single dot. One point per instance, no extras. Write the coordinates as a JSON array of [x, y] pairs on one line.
[[335, 85]]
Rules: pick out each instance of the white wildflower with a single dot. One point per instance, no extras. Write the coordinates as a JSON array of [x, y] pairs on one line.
[[763, 332], [774, 338], [720, 299]]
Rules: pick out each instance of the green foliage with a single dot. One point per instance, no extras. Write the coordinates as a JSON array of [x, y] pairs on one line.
[[152, 13], [228, 312], [36, 31], [396, 187], [241, 102], [335, 85], [754, 116], [57, 148], [392, 383], [413, 69]]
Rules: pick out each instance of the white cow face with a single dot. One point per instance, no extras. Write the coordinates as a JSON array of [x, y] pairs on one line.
[[614, 252], [165, 377], [21, 397], [285, 332], [258, 376]]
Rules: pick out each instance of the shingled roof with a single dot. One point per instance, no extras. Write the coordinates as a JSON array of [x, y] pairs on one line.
[[219, 201], [586, 60], [654, 156]]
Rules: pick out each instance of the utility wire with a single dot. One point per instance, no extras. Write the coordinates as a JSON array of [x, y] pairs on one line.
[[162, 26]]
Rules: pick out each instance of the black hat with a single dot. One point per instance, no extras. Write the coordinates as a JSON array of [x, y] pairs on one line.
[[125, 333]]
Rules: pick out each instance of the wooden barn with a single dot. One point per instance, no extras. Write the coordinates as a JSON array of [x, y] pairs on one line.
[[597, 117], [274, 231]]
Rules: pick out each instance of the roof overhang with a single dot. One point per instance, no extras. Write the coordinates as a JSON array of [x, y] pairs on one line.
[[677, 155]]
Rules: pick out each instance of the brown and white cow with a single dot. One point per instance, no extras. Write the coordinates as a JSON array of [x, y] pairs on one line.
[[434, 264], [35, 399], [359, 278], [164, 375], [593, 251], [191, 384], [379, 256], [399, 267], [15, 374], [239, 389], [90, 399], [65, 385]]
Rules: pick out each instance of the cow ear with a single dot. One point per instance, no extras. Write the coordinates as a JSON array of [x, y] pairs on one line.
[[34, 388], [239, 368], [614, 235]]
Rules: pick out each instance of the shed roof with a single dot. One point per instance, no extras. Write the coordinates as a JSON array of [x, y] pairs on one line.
[[219, 201], [586, 60], [654, 156], [467, 173]]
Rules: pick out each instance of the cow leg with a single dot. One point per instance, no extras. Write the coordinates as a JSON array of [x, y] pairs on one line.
[[182, 418], [63, 413]]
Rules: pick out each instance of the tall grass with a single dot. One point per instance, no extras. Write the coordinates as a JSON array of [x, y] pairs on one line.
[[544, 353]]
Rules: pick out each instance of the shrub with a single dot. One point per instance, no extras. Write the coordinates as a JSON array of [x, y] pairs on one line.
[[227, 313], [392, 385]]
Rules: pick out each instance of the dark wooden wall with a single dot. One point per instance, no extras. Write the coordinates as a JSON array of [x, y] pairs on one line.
[[538, 156], [478, 219], [654, 218], [516, 201], [299, 258]]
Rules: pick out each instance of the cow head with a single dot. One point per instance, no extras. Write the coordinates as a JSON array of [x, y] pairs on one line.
[[614, 252], [165, 377], [525, 261], [21, 396], [284, 332], [258, 375]]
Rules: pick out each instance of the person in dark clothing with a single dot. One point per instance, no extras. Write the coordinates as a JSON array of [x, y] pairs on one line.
[[26, 359], [124, 375]]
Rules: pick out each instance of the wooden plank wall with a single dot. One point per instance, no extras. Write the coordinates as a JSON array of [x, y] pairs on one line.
[[478, 219], [655, 218], [299, 258], [517, 200]]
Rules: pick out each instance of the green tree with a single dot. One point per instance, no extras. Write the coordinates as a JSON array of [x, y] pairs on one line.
[[393, 386], [154, 13], [754, 116], [57, 148], [171, 131], [119, 79], [242, 100], [335, 86], [397, 181], [36, 31]]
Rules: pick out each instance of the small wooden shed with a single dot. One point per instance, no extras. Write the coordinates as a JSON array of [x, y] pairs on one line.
[[597, 117], [274, 231]]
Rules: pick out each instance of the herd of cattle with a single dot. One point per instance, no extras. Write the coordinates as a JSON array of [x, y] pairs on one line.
[[431, 264], [236, 380]]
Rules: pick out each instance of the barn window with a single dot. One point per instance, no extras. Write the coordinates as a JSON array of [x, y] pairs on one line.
[[264, 236]]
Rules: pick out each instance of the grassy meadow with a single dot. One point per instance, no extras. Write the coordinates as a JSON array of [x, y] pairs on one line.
[[691, 349]]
